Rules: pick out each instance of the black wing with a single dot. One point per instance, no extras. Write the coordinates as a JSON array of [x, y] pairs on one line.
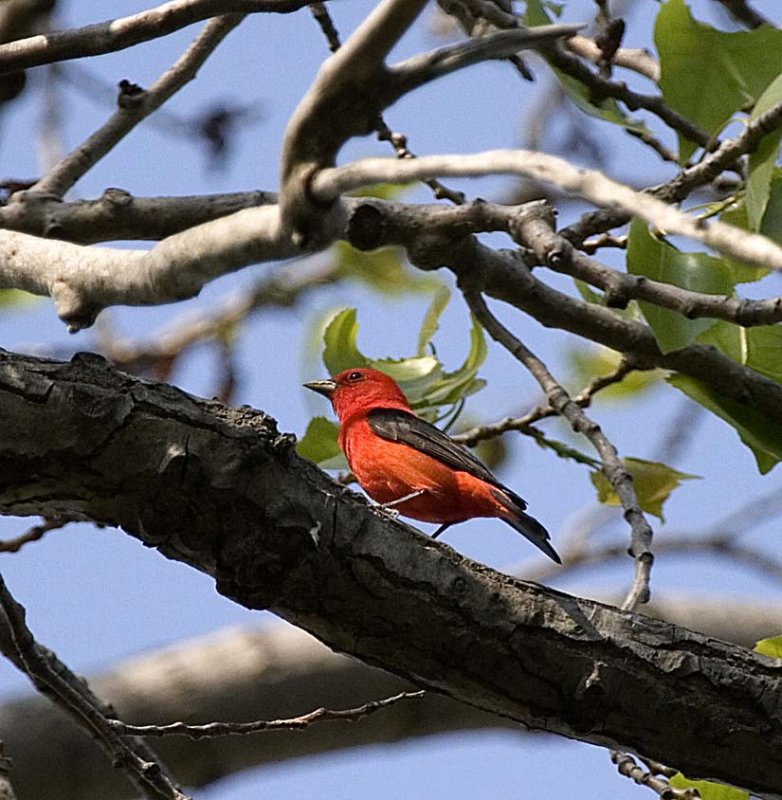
[[402, 426]]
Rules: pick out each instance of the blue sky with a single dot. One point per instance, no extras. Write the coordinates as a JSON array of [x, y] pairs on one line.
[[95, 596]]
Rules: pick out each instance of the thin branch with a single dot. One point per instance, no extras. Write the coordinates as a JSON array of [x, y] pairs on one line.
[[601, 88], [282, 290], [34, 534], [328, 184], [744, 12], [626, 765], [633, 59], [134, 108], [118, 215], [680, 187], [123, 32], [384, 133], [72, 694], [622, 287], [213, 729], [613, 468], [427, 67], [522, 424]]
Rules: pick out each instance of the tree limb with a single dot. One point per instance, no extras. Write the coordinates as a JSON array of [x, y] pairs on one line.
[[221, 490]]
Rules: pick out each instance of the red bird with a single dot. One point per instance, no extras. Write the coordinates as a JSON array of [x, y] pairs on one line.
[[404, 462]]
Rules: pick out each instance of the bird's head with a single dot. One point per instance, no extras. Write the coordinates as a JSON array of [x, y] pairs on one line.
[[360, 388]]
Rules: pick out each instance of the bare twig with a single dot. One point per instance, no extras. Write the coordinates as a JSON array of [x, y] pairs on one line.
[[633, 59], [214, 729], [72, 694], [744, 12], [135, 108], [680, 187], [281, 290], [613, 468], [118, 34], [626, 765], [33, 534]]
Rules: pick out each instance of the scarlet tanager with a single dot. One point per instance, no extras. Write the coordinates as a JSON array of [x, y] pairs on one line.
[[406, 463]]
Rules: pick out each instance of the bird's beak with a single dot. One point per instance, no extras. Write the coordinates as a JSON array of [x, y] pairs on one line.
[[326, 388]]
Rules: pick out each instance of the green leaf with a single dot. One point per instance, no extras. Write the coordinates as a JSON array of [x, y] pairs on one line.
[[762, 161], [709, 790], [432, 318], [759, 348], [452, 386], [319, 443], [384, 269], [653, 483], [606, 109], [707, 75], [593, 361], [762, 435], [698, 272], [421, 377], [771, 647], [339, 339], [10, 298]]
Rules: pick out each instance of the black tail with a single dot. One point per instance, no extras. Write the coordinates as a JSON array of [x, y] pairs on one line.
[[527, 526]]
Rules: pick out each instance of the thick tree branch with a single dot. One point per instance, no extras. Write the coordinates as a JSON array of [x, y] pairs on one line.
[[117, 34], [328, 184], [221, 490], [117, 215], [503, 275], [276, 670]]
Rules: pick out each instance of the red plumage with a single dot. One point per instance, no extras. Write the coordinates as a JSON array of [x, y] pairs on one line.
[[404, 462]]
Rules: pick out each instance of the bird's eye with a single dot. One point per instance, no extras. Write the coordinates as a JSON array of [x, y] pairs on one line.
[[355, 376]]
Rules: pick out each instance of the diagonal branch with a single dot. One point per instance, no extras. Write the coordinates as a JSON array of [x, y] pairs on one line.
[[615, 471], [118, 34], [134, 108], [223, 491], [72, 694], [592, 185]]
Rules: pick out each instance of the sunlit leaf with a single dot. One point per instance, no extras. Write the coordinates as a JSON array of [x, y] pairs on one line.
[[709, 790], [462, 382], [606, 109], [762, 435], [432, 318], [384, 269], [340, 351], [699, 272], [319, 444], [652, 480], [759, 347], [595, 361], [760, 168], [421, 377], [771, 647], [707, 75], [17, 298]]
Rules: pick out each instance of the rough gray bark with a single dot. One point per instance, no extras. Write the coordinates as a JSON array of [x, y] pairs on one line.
[[265, 673], [223, 491]]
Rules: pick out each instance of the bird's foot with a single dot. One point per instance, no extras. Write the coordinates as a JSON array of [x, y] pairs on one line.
[[390, 506]]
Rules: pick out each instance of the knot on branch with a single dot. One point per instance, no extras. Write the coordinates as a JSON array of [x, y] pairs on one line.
[[72, 307], [366, 229]]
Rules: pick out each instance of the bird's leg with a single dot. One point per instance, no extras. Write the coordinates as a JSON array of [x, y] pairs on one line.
[[444, 527], [411, 496]]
